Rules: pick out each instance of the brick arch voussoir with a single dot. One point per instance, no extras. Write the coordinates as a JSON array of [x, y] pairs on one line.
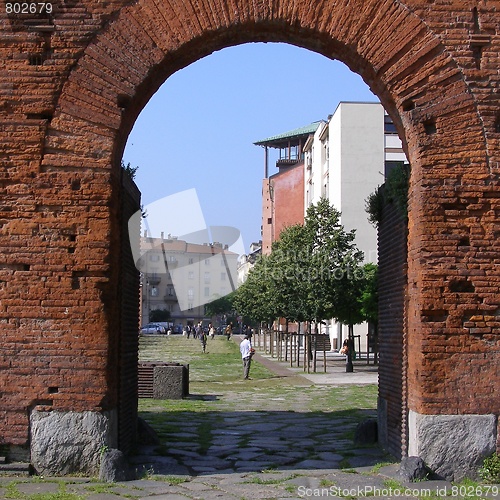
[[394, 51]]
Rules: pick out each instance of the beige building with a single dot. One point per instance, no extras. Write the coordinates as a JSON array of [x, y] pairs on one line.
[[182, 277]]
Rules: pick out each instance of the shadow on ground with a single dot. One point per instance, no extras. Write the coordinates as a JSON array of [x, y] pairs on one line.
[[207, 442]]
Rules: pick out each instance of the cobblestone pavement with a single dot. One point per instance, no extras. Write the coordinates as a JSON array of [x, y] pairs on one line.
[[271, 447]]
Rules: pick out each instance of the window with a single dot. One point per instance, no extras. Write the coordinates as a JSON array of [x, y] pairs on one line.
[[191, 293], [207, 278], [223, 276], [154, 257], [170, 291], [207, 291], [191, 260], [207, 262], [389, 127], [154, 291], [191, 275]]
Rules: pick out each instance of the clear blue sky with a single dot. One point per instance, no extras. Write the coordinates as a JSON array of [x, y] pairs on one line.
[[198, 130]]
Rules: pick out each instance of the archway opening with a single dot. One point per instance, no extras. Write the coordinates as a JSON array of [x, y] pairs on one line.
[[199, 130]]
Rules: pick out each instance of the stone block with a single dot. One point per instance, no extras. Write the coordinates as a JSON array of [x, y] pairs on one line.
[[171, 381], [67, 442], [452, 446]]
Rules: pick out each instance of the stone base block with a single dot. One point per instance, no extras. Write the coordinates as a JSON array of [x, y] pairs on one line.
[[68, 442], [171, 381], [452, 446]]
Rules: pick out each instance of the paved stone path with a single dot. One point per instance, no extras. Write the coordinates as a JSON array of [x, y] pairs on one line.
[[266, 449]]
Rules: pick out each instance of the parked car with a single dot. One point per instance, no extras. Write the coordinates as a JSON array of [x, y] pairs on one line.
[[150, 328]]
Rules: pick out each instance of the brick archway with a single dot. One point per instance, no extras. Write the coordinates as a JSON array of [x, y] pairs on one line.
[[433, 66]]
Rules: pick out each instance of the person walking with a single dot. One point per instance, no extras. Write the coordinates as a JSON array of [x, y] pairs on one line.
[[229, 331], [203, 339], [246, 355], [211, 330]]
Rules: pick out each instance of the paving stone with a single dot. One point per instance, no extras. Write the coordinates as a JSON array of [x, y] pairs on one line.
[[168, 496], [37, 488], [318, 464], [333, 457]]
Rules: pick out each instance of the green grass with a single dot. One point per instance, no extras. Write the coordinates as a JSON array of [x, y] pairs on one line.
[[221, 364], [12, 492], [217, 386]]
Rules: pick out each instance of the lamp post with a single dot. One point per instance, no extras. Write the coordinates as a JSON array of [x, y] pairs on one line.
[[349, 368]]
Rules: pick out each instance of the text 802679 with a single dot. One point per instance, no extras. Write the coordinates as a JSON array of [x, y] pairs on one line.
[[28, 8]]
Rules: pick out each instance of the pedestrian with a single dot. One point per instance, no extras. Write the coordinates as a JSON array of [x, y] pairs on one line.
[[203, 339], [247, 352], [196, 331], [211, 331], [229, 331], [345, 347]]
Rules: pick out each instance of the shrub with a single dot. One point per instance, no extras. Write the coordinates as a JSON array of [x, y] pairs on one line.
[[490, 470]]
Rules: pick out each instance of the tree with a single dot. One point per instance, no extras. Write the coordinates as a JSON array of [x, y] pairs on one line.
[[159, 315], [253, 298], [290, 263], [221, 305], [129, 169], [334, 263], [369, 295], [313, 273]]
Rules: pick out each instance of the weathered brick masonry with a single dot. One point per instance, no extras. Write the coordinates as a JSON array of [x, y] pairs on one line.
[[72, 85], [393, 396]]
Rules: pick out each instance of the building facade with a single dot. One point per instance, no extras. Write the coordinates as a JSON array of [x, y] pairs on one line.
[[344, 159], [283, 192], [182, 277], [247, 261]]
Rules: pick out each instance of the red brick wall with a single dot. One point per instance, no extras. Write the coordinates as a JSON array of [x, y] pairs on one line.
[[128, 339], [71, 88], [288, 189], [392, 250]]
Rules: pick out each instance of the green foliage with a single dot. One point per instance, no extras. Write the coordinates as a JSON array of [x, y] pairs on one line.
[[374, 206], [490, 470], [397, 183], [369, 293], [129, 170], [395, 190], [313, 273], [159, 315], [254, 298], [221, 305]]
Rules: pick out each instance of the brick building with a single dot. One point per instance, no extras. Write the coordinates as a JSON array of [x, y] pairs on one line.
[[283, 192]]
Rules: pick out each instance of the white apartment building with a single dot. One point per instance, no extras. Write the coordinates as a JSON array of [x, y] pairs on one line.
[[247, 261], [345, 161]]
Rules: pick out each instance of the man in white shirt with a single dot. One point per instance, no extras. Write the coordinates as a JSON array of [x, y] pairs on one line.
[[246, 355]]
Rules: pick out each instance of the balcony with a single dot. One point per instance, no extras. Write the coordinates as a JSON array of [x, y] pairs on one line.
[[287, 162], [153, 280]]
